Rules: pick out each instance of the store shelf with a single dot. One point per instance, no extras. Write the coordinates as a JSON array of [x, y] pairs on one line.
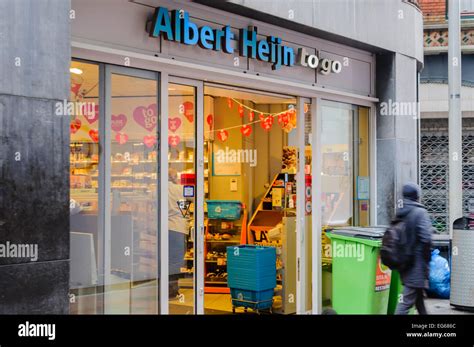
[[235, 223], [239, 236], [130, 162], [88, 163], [181, 161], [264, 220], [270, 211]]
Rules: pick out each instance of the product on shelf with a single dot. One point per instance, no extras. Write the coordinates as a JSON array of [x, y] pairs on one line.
[[289, 159], [225, 225], [274, 224]]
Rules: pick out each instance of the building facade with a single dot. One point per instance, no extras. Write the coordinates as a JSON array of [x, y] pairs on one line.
[[434, 111], [141, 139]]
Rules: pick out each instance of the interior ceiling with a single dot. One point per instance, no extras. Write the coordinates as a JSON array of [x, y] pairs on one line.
[[123, 85], [89, 79]]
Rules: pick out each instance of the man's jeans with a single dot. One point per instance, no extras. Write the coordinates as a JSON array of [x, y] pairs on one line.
[[411, 297]]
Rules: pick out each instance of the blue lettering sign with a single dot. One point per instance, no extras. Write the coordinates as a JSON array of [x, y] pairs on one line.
[[179, 28], [162, 24]]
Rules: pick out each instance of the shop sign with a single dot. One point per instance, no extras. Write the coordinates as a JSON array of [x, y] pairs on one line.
[[177, 27]]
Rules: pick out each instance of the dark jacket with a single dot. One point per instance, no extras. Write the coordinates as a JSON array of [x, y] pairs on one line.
[[419, 225]]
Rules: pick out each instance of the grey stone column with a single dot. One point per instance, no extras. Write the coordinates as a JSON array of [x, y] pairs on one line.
[[397, 141], [34, 154]]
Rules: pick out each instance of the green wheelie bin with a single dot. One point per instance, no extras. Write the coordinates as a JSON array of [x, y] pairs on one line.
[[396, 289], [361, 283]]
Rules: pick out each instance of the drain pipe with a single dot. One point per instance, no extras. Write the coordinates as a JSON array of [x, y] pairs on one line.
[[455, 117]]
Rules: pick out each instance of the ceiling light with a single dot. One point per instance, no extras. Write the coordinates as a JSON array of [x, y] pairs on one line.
[[75, 70]]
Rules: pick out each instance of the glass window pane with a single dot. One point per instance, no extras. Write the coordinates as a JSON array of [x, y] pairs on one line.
[[181, 197], [308, 206], [337, 160], [134, 215], [86, 277], [363, 168]]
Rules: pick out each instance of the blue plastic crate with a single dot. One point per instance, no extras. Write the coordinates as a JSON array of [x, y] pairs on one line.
[[224, 209], [252, 299], [251, 267]]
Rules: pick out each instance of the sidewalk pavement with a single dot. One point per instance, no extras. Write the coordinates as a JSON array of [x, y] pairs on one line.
[[442, 306]]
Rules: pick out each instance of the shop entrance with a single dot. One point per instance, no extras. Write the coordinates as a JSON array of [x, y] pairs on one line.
[[235, 171], [168, 174]]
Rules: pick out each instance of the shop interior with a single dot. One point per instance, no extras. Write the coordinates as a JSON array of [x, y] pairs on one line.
[[250, 166], [250, 162]]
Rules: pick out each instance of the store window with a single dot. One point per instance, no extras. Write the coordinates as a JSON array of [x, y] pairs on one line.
[[181, 197], [86, 242], [113, 179], [362, 165], [345, 165], [308, 174], [132, 275]]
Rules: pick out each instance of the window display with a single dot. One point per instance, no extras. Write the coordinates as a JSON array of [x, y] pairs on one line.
[[114, 259], [87, 276], [134, 213]]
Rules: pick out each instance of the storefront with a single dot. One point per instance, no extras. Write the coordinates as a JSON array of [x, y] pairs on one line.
[[187, 112]]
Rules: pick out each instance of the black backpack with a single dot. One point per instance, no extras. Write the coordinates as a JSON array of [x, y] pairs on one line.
[[397, 245]]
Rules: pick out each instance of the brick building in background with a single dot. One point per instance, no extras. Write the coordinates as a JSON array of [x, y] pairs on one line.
[[434, 110], [434, 11]]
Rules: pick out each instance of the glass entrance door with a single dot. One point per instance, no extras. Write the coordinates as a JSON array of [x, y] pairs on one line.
[[114, 175], [129, 191], [185, 196]]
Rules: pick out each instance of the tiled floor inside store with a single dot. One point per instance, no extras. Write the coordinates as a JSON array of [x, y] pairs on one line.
[[213, 303]]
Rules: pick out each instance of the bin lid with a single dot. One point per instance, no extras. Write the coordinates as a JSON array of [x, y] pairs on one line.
[[372, 233], [463, 223]]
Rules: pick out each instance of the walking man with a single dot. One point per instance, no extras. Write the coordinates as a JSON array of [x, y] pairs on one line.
[[415, 277]]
